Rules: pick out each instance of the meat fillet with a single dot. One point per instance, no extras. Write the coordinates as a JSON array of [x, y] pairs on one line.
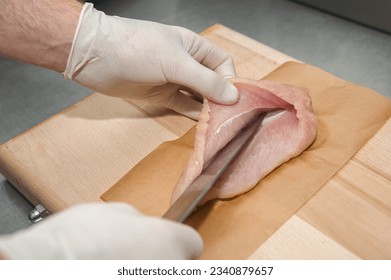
[[282, 135]]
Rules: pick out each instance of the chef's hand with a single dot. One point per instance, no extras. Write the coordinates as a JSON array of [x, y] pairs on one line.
[[103, 231], [135, 59]]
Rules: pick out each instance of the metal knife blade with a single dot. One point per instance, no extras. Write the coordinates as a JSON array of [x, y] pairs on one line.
[[188, 201]]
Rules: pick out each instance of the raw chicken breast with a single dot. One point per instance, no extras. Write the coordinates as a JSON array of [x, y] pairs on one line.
[[281, 136]]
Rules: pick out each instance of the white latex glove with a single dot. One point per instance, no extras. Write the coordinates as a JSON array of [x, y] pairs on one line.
[[135, 59], [103, 231]]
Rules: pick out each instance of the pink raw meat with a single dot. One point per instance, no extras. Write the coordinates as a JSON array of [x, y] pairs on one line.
[[281, 137]]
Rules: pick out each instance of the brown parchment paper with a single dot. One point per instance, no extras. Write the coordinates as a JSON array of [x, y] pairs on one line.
[[348, 115]]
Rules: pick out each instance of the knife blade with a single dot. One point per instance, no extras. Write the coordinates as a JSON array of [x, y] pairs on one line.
[[186, 203]]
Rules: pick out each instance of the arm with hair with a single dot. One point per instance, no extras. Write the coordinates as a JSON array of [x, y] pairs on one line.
[[38, 32], [126, 58]]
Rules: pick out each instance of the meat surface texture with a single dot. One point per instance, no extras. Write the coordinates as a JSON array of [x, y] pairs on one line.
[[281, 135]]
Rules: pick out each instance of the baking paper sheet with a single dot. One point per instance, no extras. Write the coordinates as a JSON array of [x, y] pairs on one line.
[[348, 116]]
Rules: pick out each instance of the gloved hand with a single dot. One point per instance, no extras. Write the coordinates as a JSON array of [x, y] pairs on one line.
[[103, 231], [135, 59]]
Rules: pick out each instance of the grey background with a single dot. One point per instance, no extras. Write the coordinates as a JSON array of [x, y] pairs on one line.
[[354, 52]]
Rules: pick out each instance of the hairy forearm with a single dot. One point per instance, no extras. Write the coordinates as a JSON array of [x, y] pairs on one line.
[[39, 32]]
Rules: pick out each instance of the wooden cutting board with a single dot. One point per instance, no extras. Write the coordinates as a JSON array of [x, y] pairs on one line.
[[78, 154]]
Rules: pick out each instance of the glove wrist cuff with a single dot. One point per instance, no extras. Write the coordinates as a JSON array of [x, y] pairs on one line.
[[82, 40]]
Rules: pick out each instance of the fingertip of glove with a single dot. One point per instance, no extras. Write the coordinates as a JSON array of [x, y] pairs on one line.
[[194, 243], [229, 94]]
